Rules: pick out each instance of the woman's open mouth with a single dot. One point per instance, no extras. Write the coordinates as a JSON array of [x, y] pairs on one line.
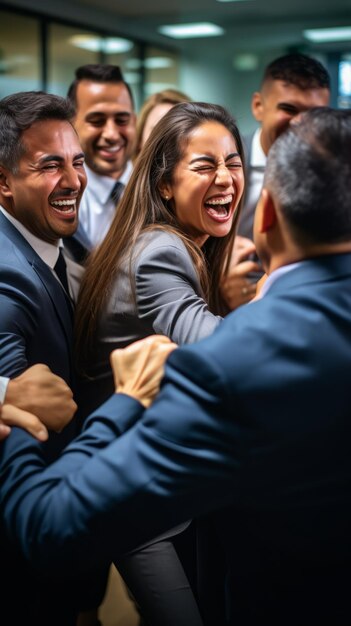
[[219, 208]]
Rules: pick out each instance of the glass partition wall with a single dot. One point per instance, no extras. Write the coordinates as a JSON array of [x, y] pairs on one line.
[[40, 53]]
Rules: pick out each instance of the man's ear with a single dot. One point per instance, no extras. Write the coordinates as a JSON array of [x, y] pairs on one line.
[[257, 106], [268, 214], [4, 188], [165, 190]]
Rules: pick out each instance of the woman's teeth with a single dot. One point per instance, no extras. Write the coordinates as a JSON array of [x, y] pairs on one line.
[[220, 206]]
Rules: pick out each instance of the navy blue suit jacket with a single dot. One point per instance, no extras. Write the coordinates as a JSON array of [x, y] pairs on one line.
[[252, 423], [35, 327], [35, 316]]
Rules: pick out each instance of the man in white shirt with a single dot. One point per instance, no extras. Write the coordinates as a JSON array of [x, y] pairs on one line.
[[106, 125], [291, 84]]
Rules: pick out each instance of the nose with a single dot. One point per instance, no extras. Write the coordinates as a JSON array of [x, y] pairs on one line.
[[110, 131], [223, 176], [71, 179]]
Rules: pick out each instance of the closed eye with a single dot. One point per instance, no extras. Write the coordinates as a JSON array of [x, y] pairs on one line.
[[234, 166], [290, 109]]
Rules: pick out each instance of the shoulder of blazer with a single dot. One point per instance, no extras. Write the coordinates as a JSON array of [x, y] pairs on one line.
[[39, 271]]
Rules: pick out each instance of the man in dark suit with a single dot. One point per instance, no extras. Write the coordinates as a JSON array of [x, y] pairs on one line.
[[42, 179], [252, 423], [291, 84]]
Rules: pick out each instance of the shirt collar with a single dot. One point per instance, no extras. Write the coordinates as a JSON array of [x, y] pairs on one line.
[[48, 252], [258, 157], [284, 269], [101, 186]]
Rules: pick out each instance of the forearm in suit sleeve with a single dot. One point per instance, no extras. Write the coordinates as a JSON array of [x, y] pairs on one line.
[[167, 290], [18, 316], [100, 500]]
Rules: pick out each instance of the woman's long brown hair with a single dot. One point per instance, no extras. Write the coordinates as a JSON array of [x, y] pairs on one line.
[[143, 208]]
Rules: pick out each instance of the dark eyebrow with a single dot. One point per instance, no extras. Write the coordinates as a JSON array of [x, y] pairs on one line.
[[212, 160], [232, 156], [59, 159], [50, 157], [103, 114]]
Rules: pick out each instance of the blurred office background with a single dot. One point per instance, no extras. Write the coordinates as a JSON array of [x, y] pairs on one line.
[[43, 41]]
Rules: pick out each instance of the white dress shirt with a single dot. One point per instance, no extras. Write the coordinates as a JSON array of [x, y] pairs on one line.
[[253, 185], [257, 166], [97, 208]]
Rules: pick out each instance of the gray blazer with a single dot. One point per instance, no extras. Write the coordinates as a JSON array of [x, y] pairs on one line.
[[168, 300]]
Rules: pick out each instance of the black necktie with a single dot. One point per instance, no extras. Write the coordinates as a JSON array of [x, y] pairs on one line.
[[60, 271], [117, 191]]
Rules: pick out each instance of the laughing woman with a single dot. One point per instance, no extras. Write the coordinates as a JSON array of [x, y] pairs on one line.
[[158, 271]]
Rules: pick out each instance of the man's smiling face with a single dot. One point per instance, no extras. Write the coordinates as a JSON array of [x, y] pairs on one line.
[[45, 189], [106, 124]]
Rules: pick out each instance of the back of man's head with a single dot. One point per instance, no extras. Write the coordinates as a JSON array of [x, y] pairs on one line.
[[298, 69], [308, 174], [20, 111], [96, 73]]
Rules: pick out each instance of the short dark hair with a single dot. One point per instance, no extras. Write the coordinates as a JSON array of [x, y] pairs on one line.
[[308, 172], [97, 73], [298, 69], [20, 111]]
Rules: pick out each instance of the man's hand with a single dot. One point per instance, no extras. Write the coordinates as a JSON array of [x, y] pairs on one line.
[[12, 416], [138, 368], [40, 394]]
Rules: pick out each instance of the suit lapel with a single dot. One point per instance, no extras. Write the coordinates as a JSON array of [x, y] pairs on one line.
[[43, 271]]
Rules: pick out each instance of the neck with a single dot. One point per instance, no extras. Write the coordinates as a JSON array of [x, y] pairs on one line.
[[308, 252]]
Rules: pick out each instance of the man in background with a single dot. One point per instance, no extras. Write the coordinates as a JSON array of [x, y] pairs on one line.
[[106, 125], [291, 84]]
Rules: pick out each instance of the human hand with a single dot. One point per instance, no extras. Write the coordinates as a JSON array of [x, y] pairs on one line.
[[236, 288], [12, 416], [138, 368], [39, 393], [243, 247]]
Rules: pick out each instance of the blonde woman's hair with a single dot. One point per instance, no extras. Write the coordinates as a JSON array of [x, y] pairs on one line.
[[167, 96]]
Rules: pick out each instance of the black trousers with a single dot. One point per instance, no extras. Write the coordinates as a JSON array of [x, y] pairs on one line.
[[159, 585]]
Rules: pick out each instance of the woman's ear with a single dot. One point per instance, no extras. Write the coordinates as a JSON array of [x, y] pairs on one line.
[[165, 191]]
